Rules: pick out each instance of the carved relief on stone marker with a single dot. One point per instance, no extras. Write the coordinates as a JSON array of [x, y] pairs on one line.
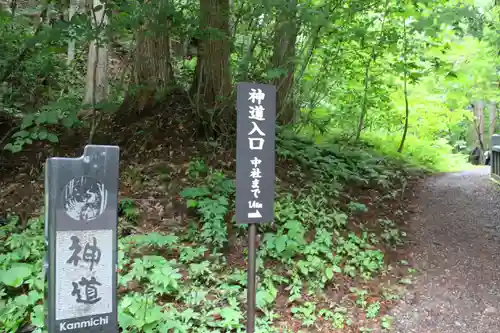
[[84, 199]]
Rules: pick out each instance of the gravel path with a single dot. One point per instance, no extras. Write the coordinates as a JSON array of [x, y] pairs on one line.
[[457, 252]]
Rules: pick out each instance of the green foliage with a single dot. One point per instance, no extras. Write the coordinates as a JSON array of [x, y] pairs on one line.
[[330, 161], [183, 283], [361, 256], [196, 168], [391, 235], [350, 64], [21, 276], [347, 79], [305, 313], [337, 317], [357, 207], [39, 89], [431, 155], [213, 203], [128, 209], [443, 79], [387, 322]]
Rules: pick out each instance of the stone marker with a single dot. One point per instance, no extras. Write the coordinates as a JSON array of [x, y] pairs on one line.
[[81, 201]]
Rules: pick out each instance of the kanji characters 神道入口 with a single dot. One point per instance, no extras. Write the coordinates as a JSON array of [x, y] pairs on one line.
[[256, 112]]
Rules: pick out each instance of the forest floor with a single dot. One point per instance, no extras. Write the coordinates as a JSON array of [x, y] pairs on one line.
[[342, 268], [456, 242]]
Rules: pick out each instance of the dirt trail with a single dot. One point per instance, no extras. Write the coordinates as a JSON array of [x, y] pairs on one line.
[[457, 252]]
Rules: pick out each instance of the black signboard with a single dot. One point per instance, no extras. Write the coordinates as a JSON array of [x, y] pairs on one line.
[[255, 160], [81, 199]]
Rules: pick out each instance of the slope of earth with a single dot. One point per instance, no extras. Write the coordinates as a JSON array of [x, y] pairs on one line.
[[332, 261], [457, 235]]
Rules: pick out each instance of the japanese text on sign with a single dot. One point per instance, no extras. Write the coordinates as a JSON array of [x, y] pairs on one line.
[[84, 279], [256, 141], [256, 105], [81, 200], [92, 255]]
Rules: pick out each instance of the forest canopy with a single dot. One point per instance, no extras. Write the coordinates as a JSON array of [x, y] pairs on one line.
[[403, 75]]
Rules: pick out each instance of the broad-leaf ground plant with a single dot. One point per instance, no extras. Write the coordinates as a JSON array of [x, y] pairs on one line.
[[186, 281]]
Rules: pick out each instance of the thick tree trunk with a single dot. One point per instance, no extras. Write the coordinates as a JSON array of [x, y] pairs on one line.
[[284, 59], [153, 76], [211, 89], [152, 65], [153, 73]]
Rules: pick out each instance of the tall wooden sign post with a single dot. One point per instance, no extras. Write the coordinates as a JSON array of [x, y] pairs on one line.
[[255, 170], [81, 201]]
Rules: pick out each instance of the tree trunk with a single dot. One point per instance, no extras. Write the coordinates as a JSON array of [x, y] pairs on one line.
[[366, 80], [211, 89], [96, 84], [364, 106], [479, 128], [152, 66], [405, 88], [153, 73], [74, 8], [153, 76], [284, 59]]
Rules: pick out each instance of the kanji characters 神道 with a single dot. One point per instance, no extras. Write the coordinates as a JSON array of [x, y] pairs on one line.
[[91, 255]]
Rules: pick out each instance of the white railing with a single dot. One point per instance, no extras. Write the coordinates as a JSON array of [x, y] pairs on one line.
[[495, 163], [495, 157]]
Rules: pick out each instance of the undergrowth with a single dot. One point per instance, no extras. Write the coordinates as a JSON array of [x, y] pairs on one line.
[[420, 153], [185, 282], [433, 155]]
